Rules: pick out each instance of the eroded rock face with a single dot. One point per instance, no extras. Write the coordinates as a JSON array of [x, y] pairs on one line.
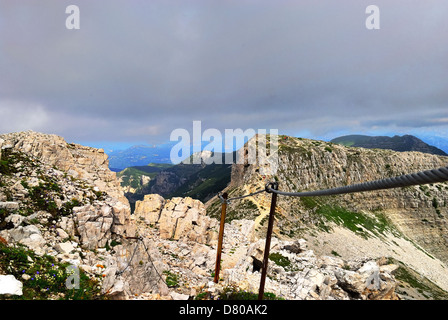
[[93, 225], [177, 218], [78, 161], [50, 174], [295, 272], [61, 199], [149, 209], [419, 212]]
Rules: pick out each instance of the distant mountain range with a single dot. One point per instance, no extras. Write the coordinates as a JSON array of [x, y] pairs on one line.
[[438, 142], [396, 143], [140, 155], [146, 169]]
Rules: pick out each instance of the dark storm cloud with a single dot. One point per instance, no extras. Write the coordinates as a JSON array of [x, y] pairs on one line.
[[138, 69]]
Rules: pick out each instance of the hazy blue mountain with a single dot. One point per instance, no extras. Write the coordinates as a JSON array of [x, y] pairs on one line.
[[438, 142], [396, 143], [140, 155]]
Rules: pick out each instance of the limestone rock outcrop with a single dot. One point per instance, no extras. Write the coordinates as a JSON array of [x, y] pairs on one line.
[[185, 238], [295, 272], [149, 209], [61, 200], [46, 173], [177, 218], [80, 162], [418, 212]]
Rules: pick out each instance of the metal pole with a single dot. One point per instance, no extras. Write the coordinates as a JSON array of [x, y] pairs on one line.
[[221, 236], [264, 269]]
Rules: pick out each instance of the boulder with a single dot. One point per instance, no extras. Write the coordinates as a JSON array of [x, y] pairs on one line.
[[64, 247], [62, 234], [93, 225], [149, 208], [117, 292], [296, 246], [29, 236], [15, 219], [184, 218], [9, 205], [10, 285]]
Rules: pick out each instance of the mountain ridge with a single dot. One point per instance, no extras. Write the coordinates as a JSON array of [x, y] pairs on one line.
[[396, 143], [62, 203], [416, 217], [60, 211], [139, 155]]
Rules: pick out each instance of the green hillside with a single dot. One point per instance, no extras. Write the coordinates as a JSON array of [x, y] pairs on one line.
[[132, 176], [205, 183]]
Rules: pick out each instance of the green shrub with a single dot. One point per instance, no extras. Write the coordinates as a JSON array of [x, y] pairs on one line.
[[234, 293], [435, 203], [6, 168], [67, 208], [280, 260], [42, 197], [43, 277], [172, 279]]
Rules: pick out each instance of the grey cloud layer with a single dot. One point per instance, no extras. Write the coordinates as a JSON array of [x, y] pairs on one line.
[[139, 69]]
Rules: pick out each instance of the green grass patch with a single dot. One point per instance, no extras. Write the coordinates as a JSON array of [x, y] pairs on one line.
[[172, 279], [357, 222], [309, 202], [234, 293], [280, 260], [408, 277], [43, 277]]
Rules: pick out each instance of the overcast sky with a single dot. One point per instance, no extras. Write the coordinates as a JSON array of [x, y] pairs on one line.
[[136, 70]]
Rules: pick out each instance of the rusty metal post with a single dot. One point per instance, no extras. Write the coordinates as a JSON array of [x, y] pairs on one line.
[[221, 236], [267, 247]]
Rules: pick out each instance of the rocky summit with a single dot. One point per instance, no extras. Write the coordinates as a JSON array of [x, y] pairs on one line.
[[407, 225], [67, 232]]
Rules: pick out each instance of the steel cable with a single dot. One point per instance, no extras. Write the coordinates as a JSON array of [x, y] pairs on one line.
[[240, 197], [407, 180], [118, 273]]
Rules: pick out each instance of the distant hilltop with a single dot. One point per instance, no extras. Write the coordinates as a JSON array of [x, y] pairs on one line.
[[396, 143], [140, 155]]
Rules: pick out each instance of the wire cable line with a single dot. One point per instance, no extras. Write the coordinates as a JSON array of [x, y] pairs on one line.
[[407, 180]]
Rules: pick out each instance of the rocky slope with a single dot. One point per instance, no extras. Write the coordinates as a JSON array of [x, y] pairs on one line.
[[414, 218], [187, 239], [62, 214], [60, 201]]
